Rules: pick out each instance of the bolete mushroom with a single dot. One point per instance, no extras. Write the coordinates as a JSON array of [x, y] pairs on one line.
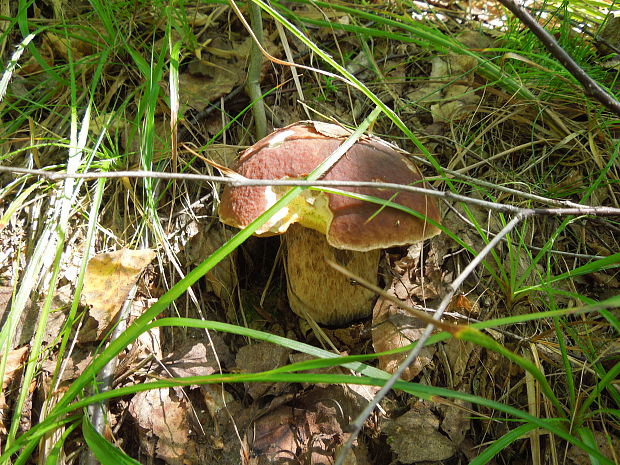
[[321, 226]]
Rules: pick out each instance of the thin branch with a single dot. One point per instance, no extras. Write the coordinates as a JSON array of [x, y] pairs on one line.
[[241, 181], [471, 224], [591, 87], [508, 190], [54, 176], [357, 425]]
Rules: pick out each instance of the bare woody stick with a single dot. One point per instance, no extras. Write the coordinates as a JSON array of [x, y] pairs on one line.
[[591, 87]]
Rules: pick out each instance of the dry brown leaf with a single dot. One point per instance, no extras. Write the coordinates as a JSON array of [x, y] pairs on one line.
[[168, 425], [196, 358], [312, 12], [14, 364], [6, 294], [330, 130], [30, 316], [108, 280], [414, 436], [261, 357], [165, 429], [394, 327], [78, 47], [458, 353], [449, 111], [216, 398], [219, 68], [224, 155], [456, 421], [308, 431], [462, 304], [74, 366], [358, 394], [222, 278], [463, 230], [198, 92], [449, 100]]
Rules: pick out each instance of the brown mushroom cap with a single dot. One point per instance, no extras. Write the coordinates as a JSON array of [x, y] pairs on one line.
[[293, 152]]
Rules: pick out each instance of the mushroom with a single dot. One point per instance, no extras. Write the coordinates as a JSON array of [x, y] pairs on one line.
[[321, 226]]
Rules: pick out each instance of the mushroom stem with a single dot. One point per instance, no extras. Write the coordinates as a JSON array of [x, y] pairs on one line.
[[318, 291]]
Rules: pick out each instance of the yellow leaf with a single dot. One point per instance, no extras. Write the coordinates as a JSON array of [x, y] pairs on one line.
[[108, 280]]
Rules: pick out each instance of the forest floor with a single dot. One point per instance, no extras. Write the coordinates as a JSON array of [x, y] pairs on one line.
[[114, 86]]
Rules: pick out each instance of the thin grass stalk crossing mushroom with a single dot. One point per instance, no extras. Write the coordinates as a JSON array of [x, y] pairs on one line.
[[321, 226]]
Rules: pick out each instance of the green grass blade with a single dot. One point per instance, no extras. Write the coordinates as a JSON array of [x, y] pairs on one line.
[[371, 376], [606, 383], [587, 437], [500, 444], [568, 369], [559, 427], [606, 263], [17, 203], [105, 452], [425, 36], [474, 336]]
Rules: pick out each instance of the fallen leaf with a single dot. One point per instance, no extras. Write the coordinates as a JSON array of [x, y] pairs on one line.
[[458, 353], [198, 92], [449, 111], [415, 436], [331, 130], [149, 342], [337, 17], [14, 364], [165, 429], [222, 278], [216, 399], [456, 421], [394, 327], [197, 358], [308, 430], [469, 235], [261, 357], [224, 155], [108, 280], [73, 367], [6, 294], [460, 303], [30, 316], [449, 100], [76, 46]]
